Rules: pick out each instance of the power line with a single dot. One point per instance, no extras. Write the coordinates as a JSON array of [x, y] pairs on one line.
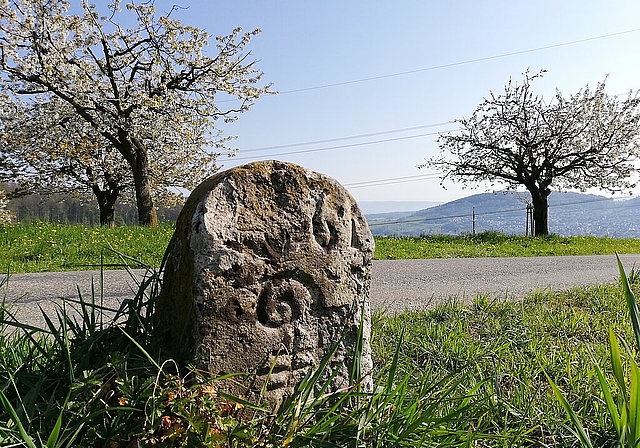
[[466, 215], [349, 137], [353, 137], [410, 178], [455, 64], [579, 202], [352, 145], [452, 64], [401, 74], [393, 180]]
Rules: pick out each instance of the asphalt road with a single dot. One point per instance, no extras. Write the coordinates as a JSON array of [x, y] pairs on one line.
[[397, 285]]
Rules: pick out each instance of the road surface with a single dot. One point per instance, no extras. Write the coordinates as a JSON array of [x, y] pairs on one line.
[[397, 285]]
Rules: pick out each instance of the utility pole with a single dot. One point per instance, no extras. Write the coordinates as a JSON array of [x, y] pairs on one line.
[[529, 220], [473, 220]]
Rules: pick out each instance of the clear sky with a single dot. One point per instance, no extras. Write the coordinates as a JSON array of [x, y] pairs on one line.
[[379, 80]]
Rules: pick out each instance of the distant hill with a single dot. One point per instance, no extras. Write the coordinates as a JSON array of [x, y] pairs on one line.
[[384, 207], [569, 214]]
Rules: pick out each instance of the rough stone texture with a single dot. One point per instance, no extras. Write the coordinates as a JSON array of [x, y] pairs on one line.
[[269, 263]]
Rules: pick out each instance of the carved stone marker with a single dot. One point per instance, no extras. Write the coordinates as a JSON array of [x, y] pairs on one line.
[[269, 266]]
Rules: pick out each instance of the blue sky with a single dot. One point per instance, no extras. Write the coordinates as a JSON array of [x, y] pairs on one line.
[[415, 65]]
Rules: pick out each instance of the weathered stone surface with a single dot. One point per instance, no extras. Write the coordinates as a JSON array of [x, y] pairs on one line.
[[270, 263]]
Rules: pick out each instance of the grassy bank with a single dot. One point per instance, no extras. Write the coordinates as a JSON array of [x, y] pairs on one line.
[[41, 247], [493, 244], [52, 247], [457, 375]]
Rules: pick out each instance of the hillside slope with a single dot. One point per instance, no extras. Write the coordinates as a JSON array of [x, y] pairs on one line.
[[569, 214]]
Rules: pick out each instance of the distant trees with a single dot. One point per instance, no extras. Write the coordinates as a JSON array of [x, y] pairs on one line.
[[66, 209], [142, 97], [589, 139]]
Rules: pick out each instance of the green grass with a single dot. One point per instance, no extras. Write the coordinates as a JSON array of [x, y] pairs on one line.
[[458, 375], [43, 247], [622, 394], [503, 349], [493, 244]]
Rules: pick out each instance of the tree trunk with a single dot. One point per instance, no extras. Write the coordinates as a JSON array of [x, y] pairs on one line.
[[107, 204], [107, 215], [137, 156], [540, 199], [147, 215]]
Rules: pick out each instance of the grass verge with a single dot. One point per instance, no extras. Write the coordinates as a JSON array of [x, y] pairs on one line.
[[492, 244], [42, 247], [49, 247]]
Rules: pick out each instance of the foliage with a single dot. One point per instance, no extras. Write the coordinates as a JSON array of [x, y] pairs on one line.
[[63, 209], [147, 90], [506, 348], [47, 149], [43, 246], [88, 383], [589, 139]]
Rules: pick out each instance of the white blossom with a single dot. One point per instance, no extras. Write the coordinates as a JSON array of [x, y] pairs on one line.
[[146, 95], [6, 217]]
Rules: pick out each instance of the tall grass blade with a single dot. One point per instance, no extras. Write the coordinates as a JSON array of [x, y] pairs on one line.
[[616, 362], [584, 438], [421, 416], [355, 375], [634, 404], [141, 348], [631, 303], [246, 403], [612, 408], [16, 420], [52, 441]]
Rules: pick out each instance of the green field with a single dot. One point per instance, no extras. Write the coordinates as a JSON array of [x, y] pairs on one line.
[[463, 374], [493, 244], [43, 247]]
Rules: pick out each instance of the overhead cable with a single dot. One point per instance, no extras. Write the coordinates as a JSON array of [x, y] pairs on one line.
[[491, 212], [393, 180], [455, 64], [352, 145], [466, 215], [349, 137]]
